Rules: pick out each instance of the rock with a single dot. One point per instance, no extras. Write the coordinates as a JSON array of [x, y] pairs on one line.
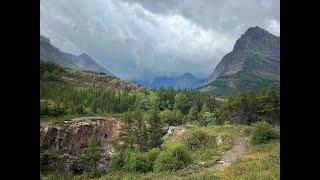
[[76, 135], [221, 162], [61, 145], [219, 140], [171, 129]]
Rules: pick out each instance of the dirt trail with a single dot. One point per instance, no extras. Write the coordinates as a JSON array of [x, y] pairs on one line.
[[231, 155]]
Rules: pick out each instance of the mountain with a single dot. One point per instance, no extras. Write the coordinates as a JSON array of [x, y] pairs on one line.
[[186, 80], [82, 62], [73, 78], [253, 63]]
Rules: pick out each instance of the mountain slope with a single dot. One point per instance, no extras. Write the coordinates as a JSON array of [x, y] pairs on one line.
[[53, 73], [82, 62], [253, 64], [186, 80]]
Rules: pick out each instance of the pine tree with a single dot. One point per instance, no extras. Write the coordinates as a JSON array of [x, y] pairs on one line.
[[140, 131], [192, 115], [202, 114], [126, 134], [155, 129]]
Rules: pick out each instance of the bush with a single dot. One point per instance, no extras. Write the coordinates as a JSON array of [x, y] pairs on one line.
[[263, 132], [195, 139], [151, 158], [117, 162], [173, 158], [50, 77], [134, 161], [173, 117], [90, 158]]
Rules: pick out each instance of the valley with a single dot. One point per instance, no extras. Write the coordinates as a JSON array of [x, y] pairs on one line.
[[97, 126], [94, 125]]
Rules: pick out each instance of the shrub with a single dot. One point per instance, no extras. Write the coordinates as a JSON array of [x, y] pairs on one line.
[[49, 77], [173, 158], [263, 132], [207, 118], [151, 158], [134, 161], [117, 162], [173, 117], [91, 157], [195, 139]]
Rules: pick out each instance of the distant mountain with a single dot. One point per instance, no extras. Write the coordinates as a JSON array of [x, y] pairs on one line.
[[53, 73], [253, 63], [82, 62], [186, 80]]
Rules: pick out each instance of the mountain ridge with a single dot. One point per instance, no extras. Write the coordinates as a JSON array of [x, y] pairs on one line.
[[48, 52], [186, 80]]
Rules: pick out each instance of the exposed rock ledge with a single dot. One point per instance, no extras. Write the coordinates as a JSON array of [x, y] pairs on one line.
[[73, 136], [61, 144]]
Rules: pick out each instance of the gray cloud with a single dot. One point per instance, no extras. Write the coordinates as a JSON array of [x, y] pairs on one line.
[[143, 38]]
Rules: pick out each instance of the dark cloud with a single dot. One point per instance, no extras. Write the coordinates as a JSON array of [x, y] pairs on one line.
[[143, 38]]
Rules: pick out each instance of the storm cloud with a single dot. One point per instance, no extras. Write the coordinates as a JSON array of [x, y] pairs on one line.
[[140, 39]]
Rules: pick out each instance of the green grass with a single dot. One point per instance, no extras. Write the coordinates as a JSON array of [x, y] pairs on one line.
[[258, 162]]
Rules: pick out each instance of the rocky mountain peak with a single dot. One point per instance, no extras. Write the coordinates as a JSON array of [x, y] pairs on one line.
[[253, 63], [256, 39], [44, 39]]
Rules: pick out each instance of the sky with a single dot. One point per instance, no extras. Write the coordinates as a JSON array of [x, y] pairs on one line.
[[141, 39]]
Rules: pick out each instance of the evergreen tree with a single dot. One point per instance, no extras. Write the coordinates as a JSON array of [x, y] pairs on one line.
[[155, 128], [203, 114], [126, 133], [193, 114], [140, 131]]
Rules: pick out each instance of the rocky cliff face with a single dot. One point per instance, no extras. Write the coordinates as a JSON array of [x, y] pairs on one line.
[[73, 136], [61, 144], [253, 64]]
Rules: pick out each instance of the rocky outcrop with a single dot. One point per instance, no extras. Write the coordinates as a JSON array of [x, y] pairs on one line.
[[73, 136], [61, 144]]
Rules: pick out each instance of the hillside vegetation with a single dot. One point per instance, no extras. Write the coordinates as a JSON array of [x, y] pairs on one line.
[[146, 148]]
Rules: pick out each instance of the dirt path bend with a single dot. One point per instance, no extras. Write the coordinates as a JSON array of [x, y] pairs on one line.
[[230, 156]]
